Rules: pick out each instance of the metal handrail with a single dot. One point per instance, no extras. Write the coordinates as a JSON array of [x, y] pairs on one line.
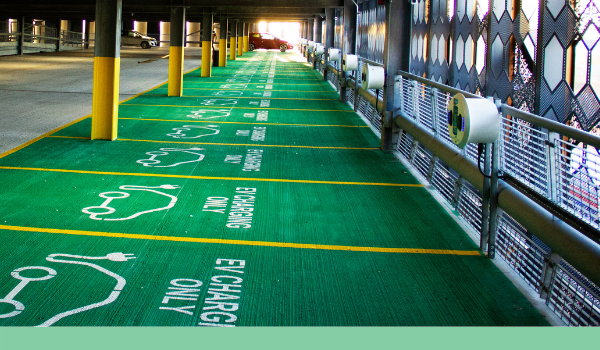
[[551, 125]]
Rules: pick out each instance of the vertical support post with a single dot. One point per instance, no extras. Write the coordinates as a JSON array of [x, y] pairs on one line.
[[223, 42], [311, 29], [396, 56], [485, 200], [58, 33], [86, 44], [318, 39], [348, 45], [246, 36], [22, 36], [329, 36], [548, 272], [233, 40], [494, 200], [176, 51], [552, 171], [207, 29], [105, 93], [458, 186], [240, 39]]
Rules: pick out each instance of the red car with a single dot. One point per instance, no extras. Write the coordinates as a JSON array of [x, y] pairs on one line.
[[267, 41]]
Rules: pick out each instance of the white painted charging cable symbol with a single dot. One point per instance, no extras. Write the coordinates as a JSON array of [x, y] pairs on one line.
[[104, 209], [114, 294], [152, 161], [9, 298], [179, 132]]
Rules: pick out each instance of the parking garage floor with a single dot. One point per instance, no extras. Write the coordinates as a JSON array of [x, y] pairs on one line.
[[256, 199]]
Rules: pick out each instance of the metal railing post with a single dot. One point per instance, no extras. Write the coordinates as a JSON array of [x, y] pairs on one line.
[[548, 272], [485, 199], [552, 171], [434, 111], [431, 169], [458, 186]]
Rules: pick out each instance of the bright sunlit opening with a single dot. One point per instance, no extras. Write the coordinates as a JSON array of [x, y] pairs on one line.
[[289, 31]]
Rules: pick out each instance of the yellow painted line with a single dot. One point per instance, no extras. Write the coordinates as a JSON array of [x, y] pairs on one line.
[[211, 177], [213, 89], [256, 97], [207, 81], [226, 107], [242, 242], [216, 122], [226, 144], [42, 136], [252, 76]]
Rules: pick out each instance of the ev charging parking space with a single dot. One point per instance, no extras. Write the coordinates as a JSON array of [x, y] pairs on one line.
[[221, 133], [280, 215]]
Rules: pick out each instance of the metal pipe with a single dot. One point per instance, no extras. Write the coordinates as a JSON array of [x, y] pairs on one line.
[[579, 250], [373, 63], [369, 96]]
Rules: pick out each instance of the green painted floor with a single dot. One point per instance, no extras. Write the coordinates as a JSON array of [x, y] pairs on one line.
[[256, 199]]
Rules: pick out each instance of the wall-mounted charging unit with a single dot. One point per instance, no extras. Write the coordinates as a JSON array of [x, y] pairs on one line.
[[373, 77], [349, 62], [319, 49], [472, 120], [334, 55]]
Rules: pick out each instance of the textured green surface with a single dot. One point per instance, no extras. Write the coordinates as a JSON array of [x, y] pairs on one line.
[[318, 191]]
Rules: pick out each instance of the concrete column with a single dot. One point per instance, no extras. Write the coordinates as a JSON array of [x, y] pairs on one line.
[[207, 29], [153, 29], [127, 24], [318, 30], [86, 44], [176, 51], [311, 29], [22, 36], [329, 36], [240, 40], [349, 37], [233, 40], [396, 56], [223, 42], [348, 42], [105, 95], [246, 36]]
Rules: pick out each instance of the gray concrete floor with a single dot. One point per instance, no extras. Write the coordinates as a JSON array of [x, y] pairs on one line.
[[41, 92]]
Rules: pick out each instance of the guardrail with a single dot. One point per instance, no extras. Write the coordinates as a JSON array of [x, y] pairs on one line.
[[547, 228]]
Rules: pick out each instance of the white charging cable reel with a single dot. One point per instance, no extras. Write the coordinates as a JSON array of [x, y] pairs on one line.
[[472, 120], [334, 55], [349, 63], [319, 49]]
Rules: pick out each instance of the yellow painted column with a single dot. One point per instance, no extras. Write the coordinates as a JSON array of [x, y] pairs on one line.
[[223, 42], [176, 52], [207, 49], [246, 36], [175, 71], [222, 52], [240, 39], [105, 93], [206, 69], [233, 40]]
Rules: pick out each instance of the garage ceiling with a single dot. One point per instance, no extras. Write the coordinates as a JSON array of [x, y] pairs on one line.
[[147, 10]]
